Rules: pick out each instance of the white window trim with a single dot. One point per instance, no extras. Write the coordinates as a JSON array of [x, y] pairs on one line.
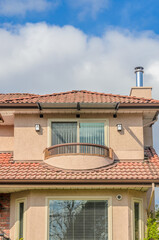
[[17, 204], [108, 198], [141, 218], [105, 121]]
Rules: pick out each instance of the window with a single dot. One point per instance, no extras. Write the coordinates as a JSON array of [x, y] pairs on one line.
[[137, 219], [20, 218], [79, 219], [64, 132], [81, 131], [92, 133]]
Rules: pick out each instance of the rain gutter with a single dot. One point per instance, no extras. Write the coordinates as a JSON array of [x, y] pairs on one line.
[[80, 105], [151, 199], [79, 181]]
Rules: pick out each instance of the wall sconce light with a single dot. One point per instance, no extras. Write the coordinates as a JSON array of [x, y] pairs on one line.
[[37, 127], [119, 127]]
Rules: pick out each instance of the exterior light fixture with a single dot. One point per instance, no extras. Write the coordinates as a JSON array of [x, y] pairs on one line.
[[119, 127], [37, 127]]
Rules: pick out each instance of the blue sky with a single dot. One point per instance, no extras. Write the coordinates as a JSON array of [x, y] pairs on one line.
[[91, 16], [50, 46]]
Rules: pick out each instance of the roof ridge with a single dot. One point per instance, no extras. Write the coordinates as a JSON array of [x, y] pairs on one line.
[[99, 93], [16, 93], [25, 96], [20, 98], [40, 95], [91, 92]]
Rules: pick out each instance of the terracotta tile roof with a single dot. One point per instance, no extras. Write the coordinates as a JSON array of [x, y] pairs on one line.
[[74, 96], [9, 96], [146, 170]]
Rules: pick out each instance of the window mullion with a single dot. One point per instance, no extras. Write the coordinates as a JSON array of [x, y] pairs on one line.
[[78, 132]]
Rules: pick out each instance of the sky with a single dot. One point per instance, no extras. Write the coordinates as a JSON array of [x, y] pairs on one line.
[[51, 46]]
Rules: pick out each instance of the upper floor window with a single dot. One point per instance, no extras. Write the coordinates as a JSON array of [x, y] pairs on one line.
[[82, 132]]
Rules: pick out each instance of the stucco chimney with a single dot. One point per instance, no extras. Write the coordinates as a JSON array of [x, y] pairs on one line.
[[139, 90]]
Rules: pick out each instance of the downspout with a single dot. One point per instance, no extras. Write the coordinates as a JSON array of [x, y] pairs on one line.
[[151, 198], [40, 109], [155, 118], [39, 106], [150, 123], [116, 109]]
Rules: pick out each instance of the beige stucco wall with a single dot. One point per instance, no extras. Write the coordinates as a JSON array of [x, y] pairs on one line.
[[142, 92], [148, 136], [6, 138], [29, 144], [36, 213], [127, 144], [79, 162]]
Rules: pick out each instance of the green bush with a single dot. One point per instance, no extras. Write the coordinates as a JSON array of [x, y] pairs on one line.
[[152, 229], [157, 212]]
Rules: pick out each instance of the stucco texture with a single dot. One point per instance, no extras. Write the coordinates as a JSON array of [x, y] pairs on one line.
[[127, 144], [36, 210]]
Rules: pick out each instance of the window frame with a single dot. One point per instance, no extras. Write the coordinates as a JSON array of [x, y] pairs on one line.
[[17, 220], [87, 120], [141, 218], [95, 198]]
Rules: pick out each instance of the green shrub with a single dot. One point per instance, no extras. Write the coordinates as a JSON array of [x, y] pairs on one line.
[[152, 229], [157, 212]]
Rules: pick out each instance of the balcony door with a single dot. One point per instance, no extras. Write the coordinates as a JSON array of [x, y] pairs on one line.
[[91, 132], [82, 132], [64, 132]]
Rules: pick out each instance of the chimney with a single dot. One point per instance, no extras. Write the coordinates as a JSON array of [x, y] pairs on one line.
[[139, 90]]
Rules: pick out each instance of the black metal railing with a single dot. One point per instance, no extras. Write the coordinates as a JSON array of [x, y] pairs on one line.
[[78, 148]]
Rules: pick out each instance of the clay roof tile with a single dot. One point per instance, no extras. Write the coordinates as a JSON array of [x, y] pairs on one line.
[[21, 171], [74, 96]]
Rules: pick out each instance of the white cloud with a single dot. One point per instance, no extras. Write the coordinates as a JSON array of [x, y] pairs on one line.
[[44, 59], [89, 7], [49, 58], [20, 7], [40, 58]]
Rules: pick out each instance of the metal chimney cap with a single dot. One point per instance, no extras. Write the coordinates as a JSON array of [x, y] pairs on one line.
[[139, 69]]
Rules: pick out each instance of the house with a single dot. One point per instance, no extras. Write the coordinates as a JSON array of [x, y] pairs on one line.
[[77, 165]]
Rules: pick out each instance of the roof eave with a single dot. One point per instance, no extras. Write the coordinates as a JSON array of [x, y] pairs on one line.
[[82, 105], [139, 106], [18, 105], [80, 181]]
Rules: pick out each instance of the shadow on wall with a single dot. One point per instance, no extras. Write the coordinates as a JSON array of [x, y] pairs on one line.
[[134, 136]]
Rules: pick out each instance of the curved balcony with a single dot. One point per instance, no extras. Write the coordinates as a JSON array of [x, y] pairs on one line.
[[78, 148], [78, 155]]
